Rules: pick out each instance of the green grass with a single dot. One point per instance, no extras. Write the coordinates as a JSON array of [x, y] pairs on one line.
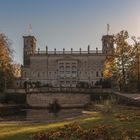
[[24, 131], [21, 131]]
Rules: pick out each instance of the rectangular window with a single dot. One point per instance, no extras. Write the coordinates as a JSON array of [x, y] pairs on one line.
[[73, 82], [67, 82], [67, 68], [74, 68], [74, 72], [62, 72], [62, 83], [38, 74], [61, 69], [25, 74], [102, 74], [97, 74]]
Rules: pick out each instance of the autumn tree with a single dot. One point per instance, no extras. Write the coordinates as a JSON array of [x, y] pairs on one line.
[[135, 76], [17, 70], [122, 59], [6, 70], [108, 66], [119, 64]]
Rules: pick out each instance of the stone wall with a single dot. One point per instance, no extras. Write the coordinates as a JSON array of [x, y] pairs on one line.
[[64, 100], [128, 98]]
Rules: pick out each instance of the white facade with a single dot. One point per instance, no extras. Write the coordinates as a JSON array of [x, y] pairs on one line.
[[62, 68]]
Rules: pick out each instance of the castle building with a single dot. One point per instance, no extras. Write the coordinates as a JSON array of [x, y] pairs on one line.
[[63, 68]]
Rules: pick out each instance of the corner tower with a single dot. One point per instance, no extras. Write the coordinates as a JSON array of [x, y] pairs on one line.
[[29, 47], [107, 44]]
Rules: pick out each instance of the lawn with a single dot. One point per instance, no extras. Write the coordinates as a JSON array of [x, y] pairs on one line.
[[117, 116]]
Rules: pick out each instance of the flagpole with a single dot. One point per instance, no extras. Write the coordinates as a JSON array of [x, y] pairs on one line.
[[30, 29]]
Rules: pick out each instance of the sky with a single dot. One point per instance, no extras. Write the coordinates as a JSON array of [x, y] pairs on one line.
[[66, 23]]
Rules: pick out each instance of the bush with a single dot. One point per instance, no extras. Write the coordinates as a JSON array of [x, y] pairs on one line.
[[100, 96], [100, 132], [82, 85], [2, 98]]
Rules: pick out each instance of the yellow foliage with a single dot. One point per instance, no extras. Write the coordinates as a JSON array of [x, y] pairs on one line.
[[108, 65], [5, 57], [6, 71]]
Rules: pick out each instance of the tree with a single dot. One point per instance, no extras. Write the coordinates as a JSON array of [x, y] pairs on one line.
[[108, 65], [6, 70], [136, 62], [17, 70], [118, 65], [122, 59]]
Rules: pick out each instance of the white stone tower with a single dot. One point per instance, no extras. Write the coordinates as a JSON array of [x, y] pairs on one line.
[[29, 47], [108, 44]]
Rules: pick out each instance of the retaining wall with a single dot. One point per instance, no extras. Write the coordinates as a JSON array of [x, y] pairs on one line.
[[64, 100]]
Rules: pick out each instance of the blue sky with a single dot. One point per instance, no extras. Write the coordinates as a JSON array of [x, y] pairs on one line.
[[67, 23]]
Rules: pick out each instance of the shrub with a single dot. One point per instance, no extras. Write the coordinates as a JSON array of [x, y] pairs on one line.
[[100, 132]]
